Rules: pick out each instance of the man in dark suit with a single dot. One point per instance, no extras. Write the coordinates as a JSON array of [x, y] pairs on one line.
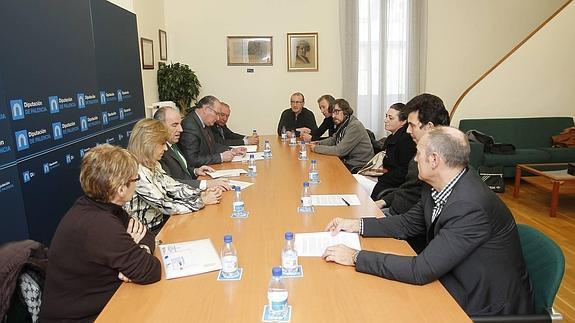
[[225, 136], [297, 118], [173, 161], [473, 245], [197, 142]]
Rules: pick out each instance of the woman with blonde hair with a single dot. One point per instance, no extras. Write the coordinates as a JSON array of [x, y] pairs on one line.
[[97, 244], [158, 195]]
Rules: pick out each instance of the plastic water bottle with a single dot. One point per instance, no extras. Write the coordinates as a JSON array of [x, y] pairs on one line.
[[284, 134], [229, 258], [277, 296], [238, 206], [292, 140], [267, 150], [289, 255], [305, 206], [252, 169], [313, 172], [302, 151]]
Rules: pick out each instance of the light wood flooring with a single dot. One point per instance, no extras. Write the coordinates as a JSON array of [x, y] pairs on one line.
[[532, 208]]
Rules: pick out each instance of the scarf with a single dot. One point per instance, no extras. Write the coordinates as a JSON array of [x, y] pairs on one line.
[[341, 131]]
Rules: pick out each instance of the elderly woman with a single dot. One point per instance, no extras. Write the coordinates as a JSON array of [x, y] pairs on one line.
[[399, 150], [350, 142], [97, 245], [158, 195]]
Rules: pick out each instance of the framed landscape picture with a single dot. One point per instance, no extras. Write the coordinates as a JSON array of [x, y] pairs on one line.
[[250, 50], [302, 52]]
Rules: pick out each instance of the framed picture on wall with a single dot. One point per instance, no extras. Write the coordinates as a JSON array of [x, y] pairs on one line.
[[250, 50], [147, 48], [302, 52], [163, 45]]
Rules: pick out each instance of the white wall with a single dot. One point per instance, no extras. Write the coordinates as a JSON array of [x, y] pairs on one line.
[[126, 4], [538, 80], [197, 34], [467, 37]]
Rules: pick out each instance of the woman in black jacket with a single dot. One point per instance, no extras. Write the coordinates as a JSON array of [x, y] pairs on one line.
[[399, 150]]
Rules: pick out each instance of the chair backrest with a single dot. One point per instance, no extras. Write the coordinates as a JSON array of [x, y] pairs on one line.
[[545, 265]]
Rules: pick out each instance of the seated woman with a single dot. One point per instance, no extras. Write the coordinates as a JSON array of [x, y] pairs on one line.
[[158, 195], [350, 142], [399, 150], [325, 103], [97, 245]]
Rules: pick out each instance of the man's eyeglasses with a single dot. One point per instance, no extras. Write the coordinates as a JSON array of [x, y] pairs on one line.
[[133, 180], [219, 114], [335, 111], [296, 102]]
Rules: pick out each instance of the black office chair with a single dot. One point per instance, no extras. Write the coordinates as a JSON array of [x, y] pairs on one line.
[[545, 265]]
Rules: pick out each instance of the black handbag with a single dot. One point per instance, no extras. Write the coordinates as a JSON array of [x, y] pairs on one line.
[[493, 178]]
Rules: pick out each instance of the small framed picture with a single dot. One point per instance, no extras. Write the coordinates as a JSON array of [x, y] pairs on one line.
[[302, 52], [147, 48], [163, 45], [250, 50]]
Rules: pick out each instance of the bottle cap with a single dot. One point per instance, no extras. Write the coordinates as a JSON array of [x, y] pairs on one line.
[[313, 161], [288, 235], [303, 142], [237, 188], [277, 272], [267, 141], [228, 238], [305, 184], [252, 156]]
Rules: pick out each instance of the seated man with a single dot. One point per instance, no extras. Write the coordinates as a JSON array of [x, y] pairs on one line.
[[174, 163], [325, 104], [197, 141], [350, 142], [225, 136], [472, 246], [297, 117]]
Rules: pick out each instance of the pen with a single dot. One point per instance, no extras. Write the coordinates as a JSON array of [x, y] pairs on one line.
[[344, 201]]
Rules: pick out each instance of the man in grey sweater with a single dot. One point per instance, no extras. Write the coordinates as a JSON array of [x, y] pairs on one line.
[[350, 142]]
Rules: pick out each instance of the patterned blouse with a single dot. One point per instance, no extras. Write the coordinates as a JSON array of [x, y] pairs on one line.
[[158, 194]]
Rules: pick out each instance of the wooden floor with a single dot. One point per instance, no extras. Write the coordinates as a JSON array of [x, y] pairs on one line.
[[532, 208]]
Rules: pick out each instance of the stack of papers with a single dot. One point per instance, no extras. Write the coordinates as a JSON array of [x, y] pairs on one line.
[[249, 148], [189, 258], [227, 173], [335, 200], [241, 184], [313, 244], [246, 157]]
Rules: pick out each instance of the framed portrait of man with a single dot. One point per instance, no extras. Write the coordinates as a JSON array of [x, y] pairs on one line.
[[302, 52], [250, 50]]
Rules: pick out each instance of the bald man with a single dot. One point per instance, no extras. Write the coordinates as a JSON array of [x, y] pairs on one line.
[[473, 245]]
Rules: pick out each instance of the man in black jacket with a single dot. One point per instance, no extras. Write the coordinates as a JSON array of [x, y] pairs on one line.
[[473, 245], [225, 136], [173, 161], [297, 116]]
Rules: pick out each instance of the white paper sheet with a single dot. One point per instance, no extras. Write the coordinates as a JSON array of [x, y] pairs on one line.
[[313, 244], [227, 173], [335, 200], [189, 258], [241, 184], [250, 148], [367, 182], [246, 157]]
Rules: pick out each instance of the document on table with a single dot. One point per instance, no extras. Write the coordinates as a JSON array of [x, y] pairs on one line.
[[246, 157], [335, 200], [241, 184], [313, 244], [249, 148], [227, 173], [189, 258]]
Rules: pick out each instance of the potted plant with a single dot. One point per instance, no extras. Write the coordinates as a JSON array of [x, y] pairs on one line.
[[178, 83]]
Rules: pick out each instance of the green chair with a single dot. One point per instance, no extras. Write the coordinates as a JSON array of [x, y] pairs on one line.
[[545, 265]]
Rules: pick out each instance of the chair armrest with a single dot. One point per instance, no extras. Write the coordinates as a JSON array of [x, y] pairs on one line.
[[534, 318], [476, 154]]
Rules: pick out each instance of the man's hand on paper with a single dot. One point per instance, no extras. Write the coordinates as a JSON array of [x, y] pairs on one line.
[[380, 204], [211, 196], [202, 170], [136, 229], [340, 254], [339, 224], [221, 183], [227, 156], [239, 151]]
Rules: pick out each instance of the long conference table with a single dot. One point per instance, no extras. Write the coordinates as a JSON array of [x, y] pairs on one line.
[[328, 292]]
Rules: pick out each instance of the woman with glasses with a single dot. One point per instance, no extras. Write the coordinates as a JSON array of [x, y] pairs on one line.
[[158, 195], [97, 245], [350, 142]]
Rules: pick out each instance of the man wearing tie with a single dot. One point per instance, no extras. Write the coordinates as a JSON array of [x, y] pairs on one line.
[[173, 161], [197, 142], [225, 136]]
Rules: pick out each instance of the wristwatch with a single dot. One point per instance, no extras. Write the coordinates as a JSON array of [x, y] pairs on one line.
[[354, 257]]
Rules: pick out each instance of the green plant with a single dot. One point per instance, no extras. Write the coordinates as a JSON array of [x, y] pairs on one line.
[[178, 83]]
